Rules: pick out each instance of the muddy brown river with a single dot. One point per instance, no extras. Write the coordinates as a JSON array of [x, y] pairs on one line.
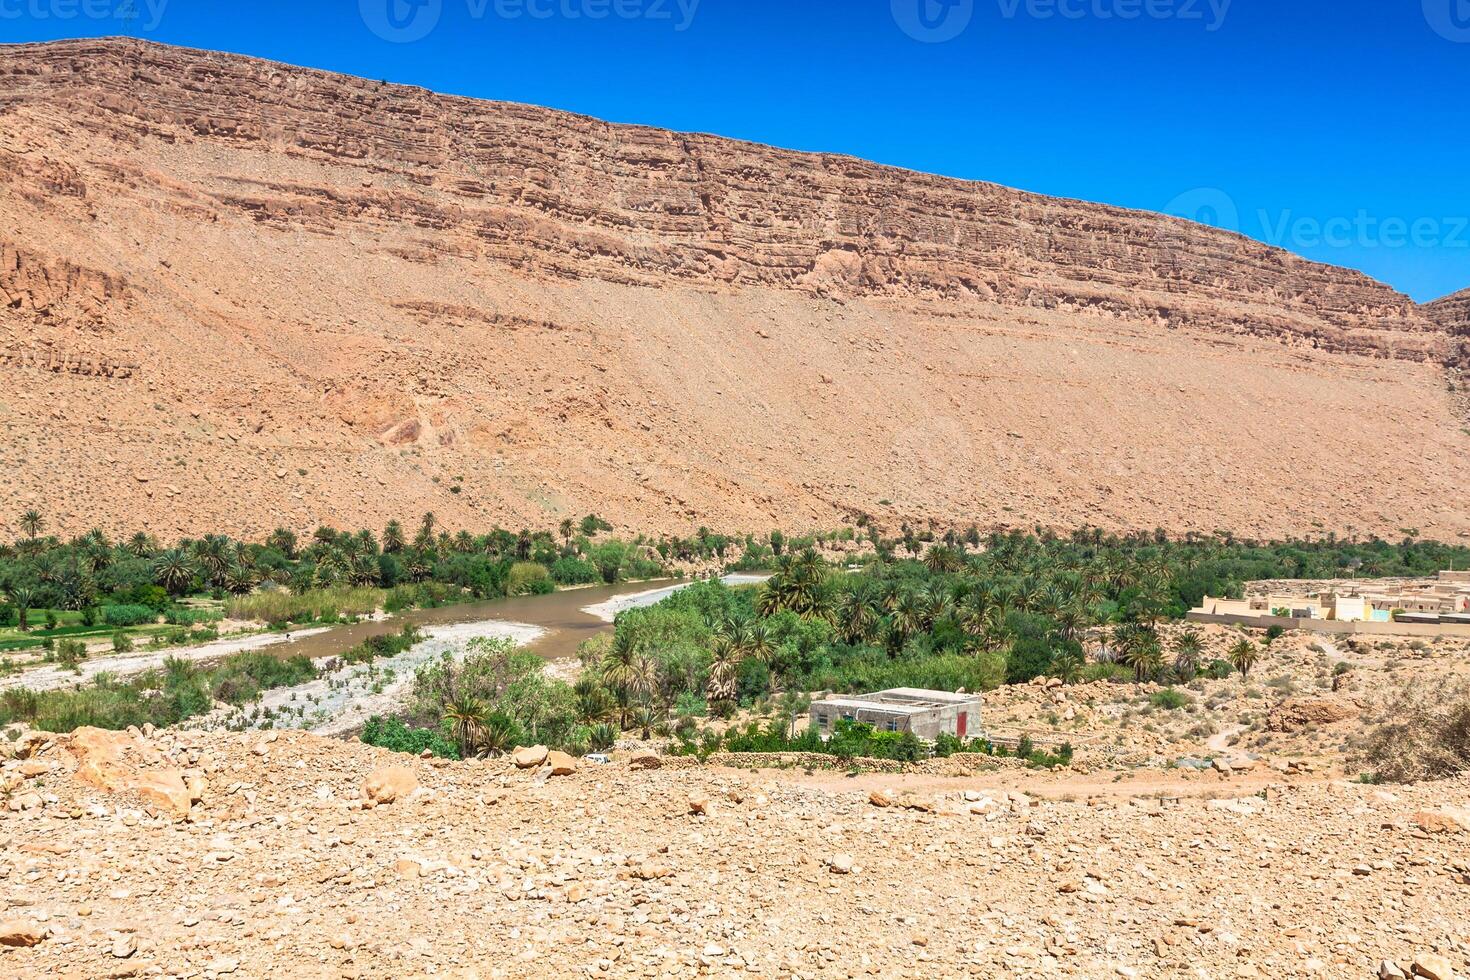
[[559, 615]]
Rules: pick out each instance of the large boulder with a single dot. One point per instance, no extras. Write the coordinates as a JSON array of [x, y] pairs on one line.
[[1295, 714], [529, 758], [20, 932], [561, 764], [114, 762], [390, 784]]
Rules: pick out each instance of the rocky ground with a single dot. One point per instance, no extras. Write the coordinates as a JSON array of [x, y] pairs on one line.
[[1305, 704], [255, 855]]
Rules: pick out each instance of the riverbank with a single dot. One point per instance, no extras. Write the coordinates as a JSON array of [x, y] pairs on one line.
[[342, 700], [51, 677]]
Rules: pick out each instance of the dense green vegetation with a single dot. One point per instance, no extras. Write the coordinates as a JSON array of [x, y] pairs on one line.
[[180, 689], [89, 587], [959, 612], [495, 697]]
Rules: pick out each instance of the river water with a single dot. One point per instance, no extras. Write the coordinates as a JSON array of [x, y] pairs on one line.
[[565, 619], [343, 699]]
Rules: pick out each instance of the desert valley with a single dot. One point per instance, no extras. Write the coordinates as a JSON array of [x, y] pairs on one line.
[[463, 539]]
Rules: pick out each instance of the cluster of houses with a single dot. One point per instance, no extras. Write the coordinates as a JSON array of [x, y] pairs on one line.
[[1444, 600]]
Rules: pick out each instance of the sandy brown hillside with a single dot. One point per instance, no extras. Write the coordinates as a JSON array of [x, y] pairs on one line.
[[237, 294]]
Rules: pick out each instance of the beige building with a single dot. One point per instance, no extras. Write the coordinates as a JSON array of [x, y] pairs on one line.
[[1443, 598]]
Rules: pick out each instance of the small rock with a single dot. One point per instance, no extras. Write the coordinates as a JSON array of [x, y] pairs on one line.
[[840, 864], [389, 784]]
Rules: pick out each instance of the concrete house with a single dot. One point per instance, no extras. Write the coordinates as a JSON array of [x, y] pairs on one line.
[[904, 709]]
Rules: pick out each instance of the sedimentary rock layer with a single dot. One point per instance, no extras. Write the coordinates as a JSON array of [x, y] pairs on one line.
[[342, 300]]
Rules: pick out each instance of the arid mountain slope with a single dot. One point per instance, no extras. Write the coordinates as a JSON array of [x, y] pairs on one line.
[[235, 294]]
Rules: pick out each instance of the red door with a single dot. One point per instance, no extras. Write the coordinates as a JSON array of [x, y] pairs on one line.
[[964, 719]]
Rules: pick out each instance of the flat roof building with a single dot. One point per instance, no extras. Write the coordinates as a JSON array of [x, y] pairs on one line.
[[927, 714]]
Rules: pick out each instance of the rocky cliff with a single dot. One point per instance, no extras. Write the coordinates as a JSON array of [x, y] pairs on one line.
[[242, 293]]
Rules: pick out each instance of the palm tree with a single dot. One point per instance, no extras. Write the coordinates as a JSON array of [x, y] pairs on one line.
[[174, 570], [1188, 648], [594, 704], [284, 541], [1243, 656], [466, 716], [1138, 647], [425, 538], [619, 665], [723, 687], [497, 734], [240, 580], [858, 616], [213, 555], [566, 527], [31, 523], [393, 541], [140, 545], [23, 599]]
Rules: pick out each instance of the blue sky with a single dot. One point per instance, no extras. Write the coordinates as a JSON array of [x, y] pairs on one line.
[[1336, 128]]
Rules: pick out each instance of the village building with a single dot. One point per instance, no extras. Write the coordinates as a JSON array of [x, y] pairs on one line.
[[927, 714], [1444, 599]]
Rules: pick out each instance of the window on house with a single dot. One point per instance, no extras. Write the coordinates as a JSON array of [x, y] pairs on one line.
[[893, 724], [822, 721]]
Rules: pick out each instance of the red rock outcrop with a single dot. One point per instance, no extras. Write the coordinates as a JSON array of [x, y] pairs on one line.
[[347, 301]]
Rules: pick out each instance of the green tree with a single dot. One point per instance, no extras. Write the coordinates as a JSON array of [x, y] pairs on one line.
[[23, 598], [466, 718], [1189, 647], [1243, 656], [31, 523], [175, 571]]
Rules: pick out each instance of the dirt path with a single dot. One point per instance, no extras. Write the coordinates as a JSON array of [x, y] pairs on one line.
[[1220, 741], [1141, 783], [51, 677]]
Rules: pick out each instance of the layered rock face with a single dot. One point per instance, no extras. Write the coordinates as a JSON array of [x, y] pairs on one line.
[[1452, 313], [237, 294]]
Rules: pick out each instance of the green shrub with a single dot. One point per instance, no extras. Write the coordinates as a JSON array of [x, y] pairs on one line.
[[1219, 670], [394, 735], [71, 653], [184, 616], [121, 642], [528, 578], [1170, 699], [128, 615], [386, 645], [574, 571]]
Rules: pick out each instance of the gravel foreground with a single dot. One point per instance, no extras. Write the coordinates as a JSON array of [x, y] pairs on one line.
[[257, 855]]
